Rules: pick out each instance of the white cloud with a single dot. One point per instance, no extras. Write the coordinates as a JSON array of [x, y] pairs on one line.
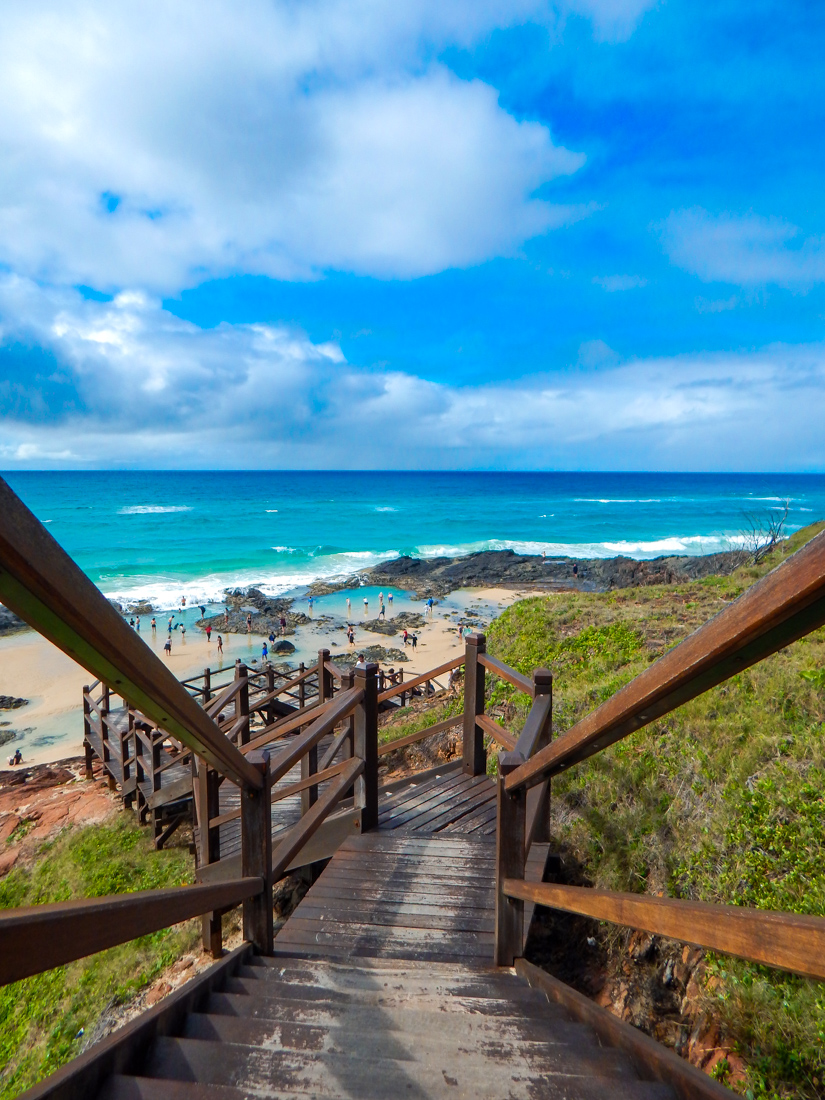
[[153, 145], [746, 249], [157, 391]]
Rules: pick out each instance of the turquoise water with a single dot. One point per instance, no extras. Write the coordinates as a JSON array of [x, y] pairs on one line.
[[164, 535]]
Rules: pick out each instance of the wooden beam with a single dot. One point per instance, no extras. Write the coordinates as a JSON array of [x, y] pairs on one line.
[[504, 672], [41, 584], [39, 937], [448, 666], [785, 605], [298, 836], [420, 735], [497, 732], [787, 941]]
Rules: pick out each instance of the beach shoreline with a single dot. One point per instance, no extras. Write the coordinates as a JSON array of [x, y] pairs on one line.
[[49, 727]]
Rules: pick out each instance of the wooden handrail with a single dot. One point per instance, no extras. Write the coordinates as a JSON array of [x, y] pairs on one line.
[[259, 704], [448, 666], [287, 725], [40, 583], [334, 670], [216, 705], [785, 605], [535, 725], [39, 937], [787, 941], [300, 833], [339, 707], [504, 672], [279, 793], [497, 732], [420, 735]]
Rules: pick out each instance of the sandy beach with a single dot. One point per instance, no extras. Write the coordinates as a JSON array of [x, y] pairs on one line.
[[50, 726]]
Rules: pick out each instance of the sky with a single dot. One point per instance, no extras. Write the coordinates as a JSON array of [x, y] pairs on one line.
[[480, 234]]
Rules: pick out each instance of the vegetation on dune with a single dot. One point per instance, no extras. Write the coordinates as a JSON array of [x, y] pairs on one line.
[[45, 1019], [721, 801]]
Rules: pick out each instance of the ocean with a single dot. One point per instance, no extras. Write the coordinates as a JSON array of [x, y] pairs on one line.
[[161, 535]]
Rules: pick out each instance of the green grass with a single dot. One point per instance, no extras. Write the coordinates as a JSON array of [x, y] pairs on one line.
[[722, 801], [44, 1019]]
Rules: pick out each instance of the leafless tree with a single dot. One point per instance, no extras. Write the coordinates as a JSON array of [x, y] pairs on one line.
[[763, 531]]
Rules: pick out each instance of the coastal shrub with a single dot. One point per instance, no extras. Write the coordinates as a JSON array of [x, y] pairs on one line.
[[721, 800], [45, 1019]]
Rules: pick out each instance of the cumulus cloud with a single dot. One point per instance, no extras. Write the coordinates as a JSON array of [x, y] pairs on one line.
[[154, 145], [126, 383], [744, 249]]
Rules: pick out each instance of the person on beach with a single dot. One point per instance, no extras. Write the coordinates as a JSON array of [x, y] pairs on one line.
[[220, 644], [167, 648], [380, 597], [381, 613], [282, 623], [349, 607], [361, 662], [154, 625], [249, 623], [366, 604], [203, 611], [389, 597], [264, 652], [575, 570], [406, 636], [182, 630], [414, 640], [310, 604], [271, 638], [170, 623], [226, 619], [132, 623], [430, 605], [350, 635], [16, 758]]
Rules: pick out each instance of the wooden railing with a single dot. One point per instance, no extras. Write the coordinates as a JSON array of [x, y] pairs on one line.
[[782, 607], [41, 584]]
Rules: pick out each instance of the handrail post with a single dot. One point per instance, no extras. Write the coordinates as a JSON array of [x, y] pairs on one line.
[[270, 687], [157, 738], [302, 689], [242, 705], [126, 750], [475, 758], [256, 855], [206, 788], [207, 685], [87, 728], [538, 798], [325, 685], [366, 748], [510, 860], [348, 747], [105, 744]]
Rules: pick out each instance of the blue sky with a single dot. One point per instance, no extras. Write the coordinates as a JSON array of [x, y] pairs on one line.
[[523, 235]]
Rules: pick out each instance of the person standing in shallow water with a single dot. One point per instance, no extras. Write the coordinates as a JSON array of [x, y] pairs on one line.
[[154, 625], [168, 646], [220, 644]]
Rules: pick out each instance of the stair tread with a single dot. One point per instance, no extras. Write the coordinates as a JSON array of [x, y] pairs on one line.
[[331, 1074], [493, 1002], [483, 1036]]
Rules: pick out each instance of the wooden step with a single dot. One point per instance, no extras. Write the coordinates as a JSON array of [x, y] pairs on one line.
[[371, 1071]]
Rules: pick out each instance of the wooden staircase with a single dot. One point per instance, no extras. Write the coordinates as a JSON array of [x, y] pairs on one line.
[[296, 1026]]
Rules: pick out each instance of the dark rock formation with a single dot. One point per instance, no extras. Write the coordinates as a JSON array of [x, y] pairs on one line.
[[436, 577], [11, 702], [10, 623]]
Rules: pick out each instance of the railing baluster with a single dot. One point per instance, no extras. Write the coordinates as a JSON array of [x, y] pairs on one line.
[[366, 747], [475, 758], [510, 860], [87, 727], [256, 855]]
